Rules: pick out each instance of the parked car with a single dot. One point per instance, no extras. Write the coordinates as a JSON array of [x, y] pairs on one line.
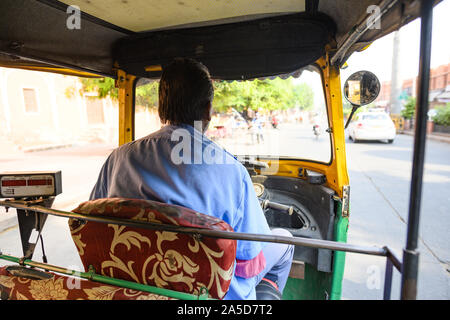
[[372, 126]]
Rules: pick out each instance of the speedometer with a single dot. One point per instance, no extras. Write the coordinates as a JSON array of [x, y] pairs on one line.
[[30, 184], [259, 189]]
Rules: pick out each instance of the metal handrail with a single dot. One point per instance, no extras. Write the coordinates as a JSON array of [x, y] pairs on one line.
[[305, 242], [391, 259]]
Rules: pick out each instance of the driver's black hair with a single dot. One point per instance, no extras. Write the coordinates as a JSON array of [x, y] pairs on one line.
[[185, 92]]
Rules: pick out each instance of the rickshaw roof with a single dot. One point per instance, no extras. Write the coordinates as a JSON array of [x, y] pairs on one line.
[[235, 39]]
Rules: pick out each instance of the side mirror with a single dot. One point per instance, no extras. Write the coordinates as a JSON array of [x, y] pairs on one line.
[[361, 88]]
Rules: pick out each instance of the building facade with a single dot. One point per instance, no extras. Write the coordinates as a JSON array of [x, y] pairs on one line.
[[45, 108], [439, 88]]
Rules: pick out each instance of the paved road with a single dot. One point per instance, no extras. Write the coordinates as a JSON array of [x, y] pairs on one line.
[[379, 176], [80, 167]]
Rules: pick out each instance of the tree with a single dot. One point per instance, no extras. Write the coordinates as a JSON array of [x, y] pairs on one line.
[[146, 91], [104, 87], [409, 109], [303, 97], [147, 94], [442, 116], [266, 94]]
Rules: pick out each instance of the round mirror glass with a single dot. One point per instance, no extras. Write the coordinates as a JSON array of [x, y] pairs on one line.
[[361, 88]]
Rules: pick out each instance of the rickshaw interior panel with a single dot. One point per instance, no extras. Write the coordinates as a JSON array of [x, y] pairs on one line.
[[31, 38], [237, 51], [126, 41], [313, 214]]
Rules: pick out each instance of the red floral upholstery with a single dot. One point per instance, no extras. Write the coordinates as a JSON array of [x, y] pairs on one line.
[[65, 288], [164, 259]]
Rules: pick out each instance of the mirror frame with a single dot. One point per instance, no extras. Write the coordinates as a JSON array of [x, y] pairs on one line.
[[366, 102]]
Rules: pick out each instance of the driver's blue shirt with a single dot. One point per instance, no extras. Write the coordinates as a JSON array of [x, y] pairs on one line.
[[179, 165]]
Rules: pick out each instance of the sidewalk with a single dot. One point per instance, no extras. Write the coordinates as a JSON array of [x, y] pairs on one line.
[[46, 147], [442, 137], [7, 219], [9, 151], [63, 202]]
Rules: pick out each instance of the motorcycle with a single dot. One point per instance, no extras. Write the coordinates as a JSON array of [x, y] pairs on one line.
[[316, 130], [274, 122]]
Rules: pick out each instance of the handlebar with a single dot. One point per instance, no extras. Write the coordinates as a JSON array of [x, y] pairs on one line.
[[277, 206]]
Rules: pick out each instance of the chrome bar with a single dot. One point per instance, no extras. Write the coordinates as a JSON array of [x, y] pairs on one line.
[[394, 259], [305, 242], [388, 280]]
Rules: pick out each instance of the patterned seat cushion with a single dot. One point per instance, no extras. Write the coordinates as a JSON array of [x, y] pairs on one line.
[[164, 259], [59, 287]]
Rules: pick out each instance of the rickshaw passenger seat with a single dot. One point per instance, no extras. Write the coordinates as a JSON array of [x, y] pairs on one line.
[[176, 261], [25, 286]]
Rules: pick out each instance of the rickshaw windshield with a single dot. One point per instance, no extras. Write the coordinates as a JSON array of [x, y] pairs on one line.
[[282, 117]]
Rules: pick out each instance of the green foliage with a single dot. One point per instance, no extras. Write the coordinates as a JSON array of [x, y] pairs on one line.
[[409, 108], [147, 95], [442, 116], [346, 107], [276, 94], [70, 92], [103, 86]]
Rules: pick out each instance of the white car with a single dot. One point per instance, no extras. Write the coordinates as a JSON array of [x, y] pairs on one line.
[[372, 126]]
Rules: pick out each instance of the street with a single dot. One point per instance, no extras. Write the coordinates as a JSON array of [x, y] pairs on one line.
[[379, 179], [79, 166]]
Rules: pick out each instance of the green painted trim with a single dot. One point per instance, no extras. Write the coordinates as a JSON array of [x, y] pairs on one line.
[[314, 286], [340, 231], [91, 275]]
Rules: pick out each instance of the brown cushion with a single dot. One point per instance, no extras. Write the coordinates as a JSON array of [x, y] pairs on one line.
[[168, 260], [59, 287]]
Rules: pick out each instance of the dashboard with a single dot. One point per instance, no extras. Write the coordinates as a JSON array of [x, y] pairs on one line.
[[305, 209]]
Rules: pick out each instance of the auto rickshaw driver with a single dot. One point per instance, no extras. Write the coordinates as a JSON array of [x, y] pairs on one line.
[[162, 168]]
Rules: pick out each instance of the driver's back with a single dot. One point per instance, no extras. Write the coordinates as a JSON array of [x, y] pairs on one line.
[[179, 165]]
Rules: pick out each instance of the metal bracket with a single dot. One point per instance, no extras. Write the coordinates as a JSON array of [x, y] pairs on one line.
[[314, 177], [203, 294], [29, 221], [345, 201], [302, 172], [91, 272]]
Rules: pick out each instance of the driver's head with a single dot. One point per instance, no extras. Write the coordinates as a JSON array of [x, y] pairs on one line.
[[185, 93]]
